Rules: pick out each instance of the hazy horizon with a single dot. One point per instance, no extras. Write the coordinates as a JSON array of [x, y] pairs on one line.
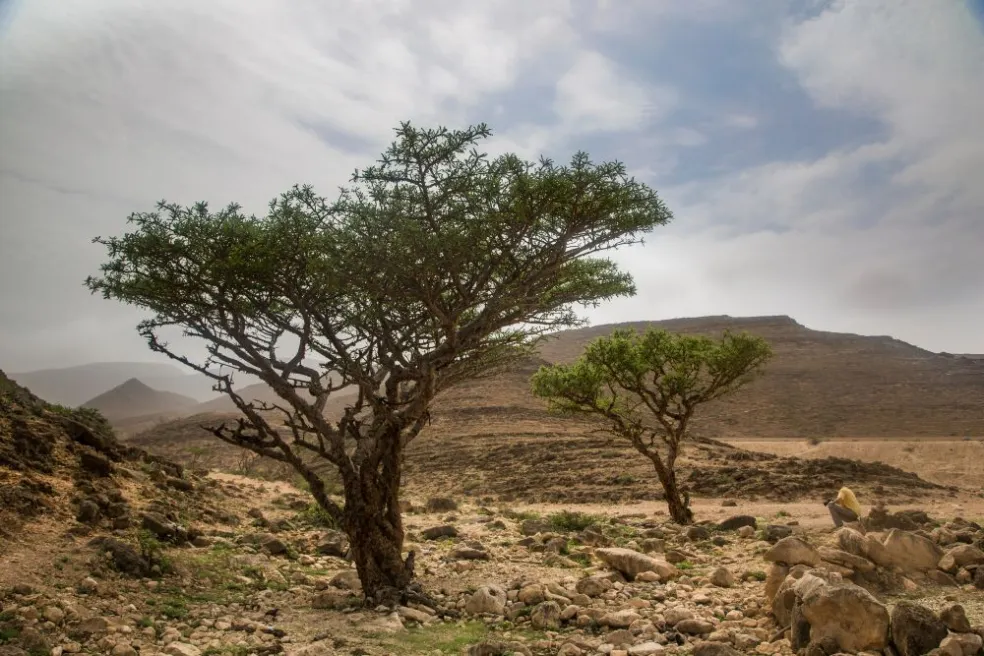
[[822, 158]]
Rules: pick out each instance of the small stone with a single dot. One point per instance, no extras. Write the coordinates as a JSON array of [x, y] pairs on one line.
[[182, 649], [546, 616], [722, 578], [694, 627], [346, 580], [54, 614], [437, 532]]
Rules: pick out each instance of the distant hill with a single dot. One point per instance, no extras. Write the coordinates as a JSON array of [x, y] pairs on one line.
[[135, 399], [73, 386], [827, 384]]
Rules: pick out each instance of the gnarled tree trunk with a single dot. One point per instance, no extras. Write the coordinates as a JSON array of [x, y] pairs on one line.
[[677, 503], [373, 521], [679, 507], [377, 549]]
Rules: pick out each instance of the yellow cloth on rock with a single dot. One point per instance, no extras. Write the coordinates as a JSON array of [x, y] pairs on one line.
[[847, 499]]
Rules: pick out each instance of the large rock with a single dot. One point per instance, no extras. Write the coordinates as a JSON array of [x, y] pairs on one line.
[[961, 556], [961, 644], [736, 522], [955, 618], [546, 616], [845, 559], [911, 552], [793, 551], [182, 649], [593, 586], [791, 590], [632, 563], [848, 614], [915, 629], [775, 532], [777, 574], [714, 649], [487, 600]]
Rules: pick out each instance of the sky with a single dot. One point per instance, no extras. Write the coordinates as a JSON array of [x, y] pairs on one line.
[[823, 159]]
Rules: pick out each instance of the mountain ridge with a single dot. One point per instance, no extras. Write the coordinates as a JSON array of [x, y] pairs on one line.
[[134, 398]]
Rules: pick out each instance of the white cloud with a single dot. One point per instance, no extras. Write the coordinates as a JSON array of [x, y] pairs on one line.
[[594, 95], [884, 237], [109, 105]]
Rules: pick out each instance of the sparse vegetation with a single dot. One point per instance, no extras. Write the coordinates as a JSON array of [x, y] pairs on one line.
[[629, 380], [416, 278], [570, 521]]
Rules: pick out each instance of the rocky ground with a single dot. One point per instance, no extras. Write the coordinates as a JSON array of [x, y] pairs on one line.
[[227, 565], [107, 549]]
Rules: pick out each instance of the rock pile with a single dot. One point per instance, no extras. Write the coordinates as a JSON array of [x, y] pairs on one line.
[[823, 597]]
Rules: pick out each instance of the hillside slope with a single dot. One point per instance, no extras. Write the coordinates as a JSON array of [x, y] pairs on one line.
[[823, 384], [134, 399]]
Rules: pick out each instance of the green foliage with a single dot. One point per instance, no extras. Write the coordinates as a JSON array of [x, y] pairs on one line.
[[315, 515], [685, 565], [647, 387], [8, 634], [568, 520], [664, 374], [438, 264], [152, 550]]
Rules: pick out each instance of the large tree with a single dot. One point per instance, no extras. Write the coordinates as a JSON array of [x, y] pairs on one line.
[[437, 264], [647, 386]]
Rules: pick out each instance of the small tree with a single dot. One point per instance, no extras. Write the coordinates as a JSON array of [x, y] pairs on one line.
[[647, 388], [438, 265]]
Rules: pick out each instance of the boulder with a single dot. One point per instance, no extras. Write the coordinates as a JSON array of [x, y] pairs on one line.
[[793, 551], [546, 616], [962, 555], [911, 552], [714, 649], [722, 578], [777, 574], [593, 586], [736, 522], [775, 532], [620, 619], [955, 618], [631, 563], [915, 629], [694, 627], [848, 614], [487, 600], [961, 644], [437, 532], [845, 559]]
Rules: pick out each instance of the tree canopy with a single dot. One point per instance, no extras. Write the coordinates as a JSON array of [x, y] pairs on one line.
[[647, 387], [436, 264]]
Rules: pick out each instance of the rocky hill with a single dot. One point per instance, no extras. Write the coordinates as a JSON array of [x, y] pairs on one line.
[[53, 459], [134, 399]]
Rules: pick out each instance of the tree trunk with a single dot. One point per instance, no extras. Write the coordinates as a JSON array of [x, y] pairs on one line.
[[377, 549], [679, 508], [374, 524]]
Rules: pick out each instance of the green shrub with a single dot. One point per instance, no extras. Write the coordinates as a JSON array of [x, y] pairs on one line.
[[567, 520]]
